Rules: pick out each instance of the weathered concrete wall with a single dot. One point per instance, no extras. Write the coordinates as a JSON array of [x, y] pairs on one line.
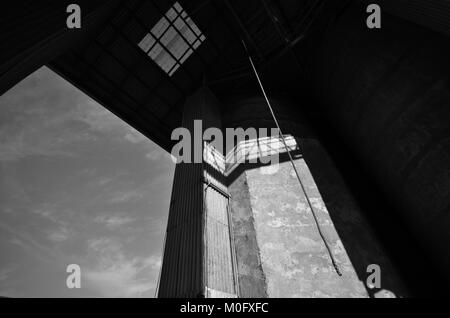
[[293, 256], [279, 250], [251, 278], [387, 93]]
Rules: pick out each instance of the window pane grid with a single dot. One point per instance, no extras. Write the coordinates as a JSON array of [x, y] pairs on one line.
[[172, 40]]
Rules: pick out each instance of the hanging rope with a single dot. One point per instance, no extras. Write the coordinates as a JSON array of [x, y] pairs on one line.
[[316, 221]]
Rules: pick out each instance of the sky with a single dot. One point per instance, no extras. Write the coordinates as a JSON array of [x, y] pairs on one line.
[[77, 186]]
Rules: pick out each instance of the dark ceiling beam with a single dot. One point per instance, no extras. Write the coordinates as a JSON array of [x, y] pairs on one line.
[[258, 12], [152, 91], [139, 110], [129, 74], [231, 28], [199, 8], [244, 29], [219, 54], [281, 33], [142, 56], [303, 29], [113, 38], [316, 6], [245, 72], [275, 23], [228, 78], [196, 10], [283, 16], [210, 40]]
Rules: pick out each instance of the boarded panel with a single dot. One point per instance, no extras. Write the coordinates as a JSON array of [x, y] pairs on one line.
[[219, 270]]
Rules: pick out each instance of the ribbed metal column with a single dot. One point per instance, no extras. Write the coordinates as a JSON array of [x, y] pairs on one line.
[[198, 256]]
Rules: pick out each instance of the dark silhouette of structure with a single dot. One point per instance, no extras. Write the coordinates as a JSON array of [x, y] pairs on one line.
[[367, 111]]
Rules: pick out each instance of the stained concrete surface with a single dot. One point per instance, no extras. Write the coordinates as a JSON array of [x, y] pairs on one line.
[[279, 250]]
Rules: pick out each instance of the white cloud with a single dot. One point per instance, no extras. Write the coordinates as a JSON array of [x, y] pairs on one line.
[[6, 272], [135, 137], [62, 232], [103, 245], [126, 196], [156, 154], [153, 262], [40, 252], [46, 214], [59, 235], [115, 221], [104, 181], [120, 281], [22, 144], [98, 118], [116, 275]]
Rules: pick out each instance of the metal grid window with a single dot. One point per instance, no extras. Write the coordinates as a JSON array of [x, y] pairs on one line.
[[172, 40]]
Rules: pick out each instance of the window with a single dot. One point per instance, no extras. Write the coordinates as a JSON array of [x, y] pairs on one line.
[[172, 40]]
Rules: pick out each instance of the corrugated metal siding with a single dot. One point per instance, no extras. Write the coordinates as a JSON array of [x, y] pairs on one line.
[[198, 253], [183, 263], [182, 270]]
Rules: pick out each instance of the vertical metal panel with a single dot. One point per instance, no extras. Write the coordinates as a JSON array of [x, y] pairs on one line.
[[198, 253], [182, 268], [220, 276], [181, 274]]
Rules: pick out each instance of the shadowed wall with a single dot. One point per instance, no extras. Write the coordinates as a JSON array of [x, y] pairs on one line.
[[387, 94]]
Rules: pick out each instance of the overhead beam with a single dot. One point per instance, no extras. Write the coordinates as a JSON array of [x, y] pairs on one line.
[[244, 29]]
